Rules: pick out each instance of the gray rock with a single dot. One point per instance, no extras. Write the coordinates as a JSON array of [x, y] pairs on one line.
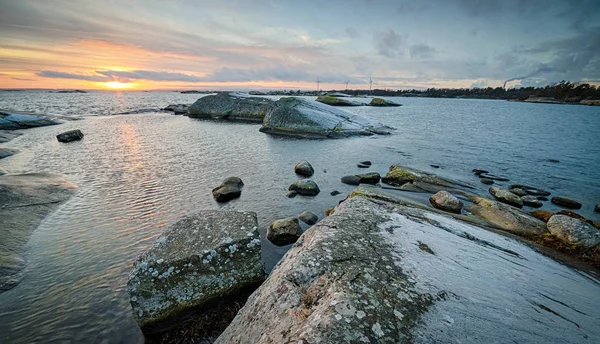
[[574, 231], [69, 136], [202, 259], [25, 199], [334, 193], [284, 232], [382, 102], [446, 201], [506, 197], [518, 192], [6, 152], [565, 202], [291, 194], [229, 189], [530, 190], [369, 178], [230, 106], [351, 180], [493, 177], [336, 101], [532, 201], [305, 187], [486, 181], [380, 272], [507, 217], [304, 168], [305, 118], [308, 218], [178, 109], [10, 120]]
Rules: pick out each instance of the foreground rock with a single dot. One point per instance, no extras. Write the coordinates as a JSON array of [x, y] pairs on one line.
[[369, 178], [200, 263], [284, 232], [10, 120], [542, 215], [25, 199], [565, 202], [304, 168], [336, 101], [574, 231], [380, 272], [309, 119], [230, 106], [507, 217], [6, 152], [69, 136], [507, 197], [308, 218], [382, 102], [229, 189], [305, 187], [446, 201]]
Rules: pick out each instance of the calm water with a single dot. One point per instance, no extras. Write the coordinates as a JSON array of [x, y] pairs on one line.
[[139, 173]]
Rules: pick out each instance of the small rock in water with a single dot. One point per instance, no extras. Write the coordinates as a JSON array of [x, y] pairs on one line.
[[505, 196], [530, 190], [284, 232], [229, 189], [573, 231], [305, 187], [597, 208], [291, 194], [304, 168], [567, 203], [518, 192], [334, 193], [308, 218], [366, 162], [435, 166], [531, 201], [396, 176], [553, 160], [493, 177], [351, 180], [71, 135], [486, 181], [446, 201], [478, 172], [543, 215], [363, 166], [369, 178], [542, 198]]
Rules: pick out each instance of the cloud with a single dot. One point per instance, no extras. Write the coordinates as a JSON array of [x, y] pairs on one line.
[[421, 51], [64, 75], [278, 73], [389, 43], [125, 76], [351, 32]]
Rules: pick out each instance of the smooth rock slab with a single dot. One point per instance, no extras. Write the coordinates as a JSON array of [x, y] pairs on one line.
[[230, 106], [203, 259], [507, 218], [532, 201], [574, 231], [505, 196], [378, 272], [10, 120], [565, 202]]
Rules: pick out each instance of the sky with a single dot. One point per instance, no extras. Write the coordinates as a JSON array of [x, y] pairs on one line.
[[273, 44]]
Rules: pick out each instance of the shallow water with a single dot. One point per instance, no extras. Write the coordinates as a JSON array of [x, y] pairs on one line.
[[139, 173]]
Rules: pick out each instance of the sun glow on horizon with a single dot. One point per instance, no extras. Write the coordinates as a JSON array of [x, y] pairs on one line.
[[117, 85]]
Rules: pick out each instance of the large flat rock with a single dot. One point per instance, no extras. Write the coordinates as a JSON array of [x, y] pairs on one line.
[[200, 262], [230, 106], [377, 271], [10, 120]]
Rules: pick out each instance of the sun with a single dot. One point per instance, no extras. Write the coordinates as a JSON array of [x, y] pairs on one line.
[[117, 85]]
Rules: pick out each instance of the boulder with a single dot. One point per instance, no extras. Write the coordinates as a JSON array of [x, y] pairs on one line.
[[397, 176], [306, 118], [69, 136], [574, 231], [506, 217], [565, 202], [334, 193], [284, 232], [486, 181], [10, 120], [202, 261], [305, 187], [531, 201], [351, 180], [369, 178], [25, 199], [6, 152], [597, 208], [304, 168], [379, 272], [518, 192], [336, 101], [382, 102], [230, 106], [543, 215], [506, 197], [446, 201], [229, 189], [308, 218]]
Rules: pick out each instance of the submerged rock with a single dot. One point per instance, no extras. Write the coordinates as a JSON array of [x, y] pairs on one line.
[[305, 187], [230, 106], [304, 168], [493, 177], [336, 101], [379, 272], [305, 118], [178, 109], [543, 215], [574, 231], [308, 218], [362, 166], [530, 190], [366, 162], [532, 201], [202, 261], [369, 178], [382, 102], [351, 180], [25, 199], [518, 192], [486, 181], [505, 196], [507, 217], [334, 193], [229, 189], [597, 208], [6, 152], [397, 176], [478, 172], [565, 202], [446, 201], [69, 136], [284, 232], [10, 120]]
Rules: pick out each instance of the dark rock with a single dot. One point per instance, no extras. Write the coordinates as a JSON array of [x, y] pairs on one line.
[[369, 178], [486, 181], [6, 152], [336, 101], [308, 218], [291, 194], [363, 166], [574, 231], [553, 160], [435, 166], [518, 192], [543, 215], [284, 232], [530, 190], [230, 106], [567, 203], [334, 193], [71, 135], [304, 168], [229, 189], [382, 102], [597, 208], [202, 259], [542, 198], [478, 172], [305, 187], [446, 201], [397, 176], [366, 162], [493, 177], [531, 201], [351, 180], [304, 118], [505, 196], [8, 135]]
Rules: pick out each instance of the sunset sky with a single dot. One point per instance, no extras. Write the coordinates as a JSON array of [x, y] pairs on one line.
[[253, 44]]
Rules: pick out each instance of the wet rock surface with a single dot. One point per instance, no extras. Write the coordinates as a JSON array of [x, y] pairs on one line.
[[11, 120], [574, 231], [336, 101], [566, 202], [446, 201], [486, 181], [229, 189], [518, 192], [284, 232], [306, 187], [230, 106], [199, 263], [304, 168], [69, 136], [369, 178], [308, 218], [350, 180], [505, 196], [532, 201], [507, 217], [377, 271]]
